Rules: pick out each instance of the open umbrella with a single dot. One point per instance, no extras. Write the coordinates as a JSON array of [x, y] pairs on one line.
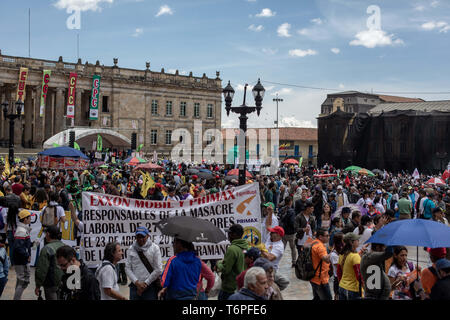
[[413, 232], [191, 229], [235, 172], [205, 175], [192, 171], [290, 161], [352, 168], [365, 172], [378, 171], [436, 181], [446, 174], [134, 161], [98, 164], [148, 166]]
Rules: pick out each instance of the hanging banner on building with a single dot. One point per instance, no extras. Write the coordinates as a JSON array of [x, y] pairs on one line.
[[45, 81], [93, 108], [20, 96], [71, 95], [110, 218]]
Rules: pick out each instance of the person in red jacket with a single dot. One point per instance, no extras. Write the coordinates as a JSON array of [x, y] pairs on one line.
[[249, 257], [207, 274]]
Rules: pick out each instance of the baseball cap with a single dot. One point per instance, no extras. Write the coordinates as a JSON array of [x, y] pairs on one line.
[[143, 231], [195, 177], [278, 230], [263, 263], [269, 204], [351, 236], [24, 213], [253, 253], [340, 188], [439, 253], [442, 264]]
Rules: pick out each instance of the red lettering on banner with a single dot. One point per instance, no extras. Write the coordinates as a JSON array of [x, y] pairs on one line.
[[95, 92], [23, 76], [46, 78], [94, 102]]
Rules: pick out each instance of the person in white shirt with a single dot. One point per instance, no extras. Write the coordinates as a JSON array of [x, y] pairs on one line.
[[143, 266], [363, 231], [171, 195], [59, 210], [270, 221], [106, 274], [274, 246]]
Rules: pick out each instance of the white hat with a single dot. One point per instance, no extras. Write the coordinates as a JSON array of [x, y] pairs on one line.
[[340, 187]]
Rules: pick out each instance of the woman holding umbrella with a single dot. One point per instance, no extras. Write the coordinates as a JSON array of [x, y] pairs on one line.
[[402, 275]]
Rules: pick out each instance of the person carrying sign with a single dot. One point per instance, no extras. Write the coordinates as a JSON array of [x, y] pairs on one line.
[[143, 266]]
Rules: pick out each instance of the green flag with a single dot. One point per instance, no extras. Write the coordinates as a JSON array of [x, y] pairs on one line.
[[99, 143], [300, 162], [76, 146], [55, 144], [140, 147]]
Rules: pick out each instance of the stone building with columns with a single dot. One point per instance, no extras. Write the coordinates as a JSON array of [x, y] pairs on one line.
[[149, 103]]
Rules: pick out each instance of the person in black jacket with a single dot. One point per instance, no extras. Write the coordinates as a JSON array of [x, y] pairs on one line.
[[89, 288], [441, 289], [288, 224], [305, 225]]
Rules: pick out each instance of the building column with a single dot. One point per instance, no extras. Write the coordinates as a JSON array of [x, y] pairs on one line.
[[38, 120], [59, 111], [48, 116], [2, 118], [28, 116], [78, 101]]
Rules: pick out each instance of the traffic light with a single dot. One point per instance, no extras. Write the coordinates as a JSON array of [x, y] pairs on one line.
[[71, 139], [133, 141]]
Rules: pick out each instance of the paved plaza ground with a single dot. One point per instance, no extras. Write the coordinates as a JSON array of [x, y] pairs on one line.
[[297, 289]]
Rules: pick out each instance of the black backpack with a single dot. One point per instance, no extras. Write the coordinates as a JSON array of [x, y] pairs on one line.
[[304, 268]]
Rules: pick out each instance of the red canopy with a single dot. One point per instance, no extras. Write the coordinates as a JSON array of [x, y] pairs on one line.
[[290, 161], [446, 174], [435, 181], [148, 166], [235, 172]]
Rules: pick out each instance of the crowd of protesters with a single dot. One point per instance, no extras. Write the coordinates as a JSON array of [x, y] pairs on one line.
[[299, 207]]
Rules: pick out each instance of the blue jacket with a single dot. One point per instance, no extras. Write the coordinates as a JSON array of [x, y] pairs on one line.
[[181, 276], [245, 294], [4, 263], [22, 244]]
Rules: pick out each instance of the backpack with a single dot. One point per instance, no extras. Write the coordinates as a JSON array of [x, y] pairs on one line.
[[49, 216], [304, 268]]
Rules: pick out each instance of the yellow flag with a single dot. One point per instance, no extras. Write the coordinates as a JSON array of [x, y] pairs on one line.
[[147, 184], [6, 171]]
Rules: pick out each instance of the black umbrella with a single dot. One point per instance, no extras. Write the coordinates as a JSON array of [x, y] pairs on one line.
[[205, 175], [191, 229], [229, 178], [192, 171]]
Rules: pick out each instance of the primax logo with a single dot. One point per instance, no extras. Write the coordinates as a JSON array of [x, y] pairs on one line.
[[243, 206]]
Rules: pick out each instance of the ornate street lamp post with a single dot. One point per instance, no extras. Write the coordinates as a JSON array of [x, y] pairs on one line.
[[11, 115], [243, 110]]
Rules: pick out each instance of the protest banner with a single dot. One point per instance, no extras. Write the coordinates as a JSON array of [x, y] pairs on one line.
[[45, 81], [20, 95], [108, 218], [37, 232], [93, 107], [71, 95]]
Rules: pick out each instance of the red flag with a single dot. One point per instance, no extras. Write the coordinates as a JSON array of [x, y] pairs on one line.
[[347, 181]]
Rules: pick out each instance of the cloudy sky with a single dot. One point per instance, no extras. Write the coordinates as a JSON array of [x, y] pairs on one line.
[[294, 46]]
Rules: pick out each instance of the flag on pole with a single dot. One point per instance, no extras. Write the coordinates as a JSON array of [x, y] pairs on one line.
[[416, 174], [147, 184], [76, 146], [347, 181], [99, 143], [300, 161], [6, 171], [140, 147]]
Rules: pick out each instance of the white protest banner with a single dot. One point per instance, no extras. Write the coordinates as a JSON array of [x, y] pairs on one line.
[[110, 218], [37, 233]]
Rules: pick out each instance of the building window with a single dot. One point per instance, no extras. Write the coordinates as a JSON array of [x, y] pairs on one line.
[[183, 109], [402, 147], [154, 107], [196, 110], [310, 151], [209, 111], [105, 107], [168, 136], [168, 108], [153, 136]]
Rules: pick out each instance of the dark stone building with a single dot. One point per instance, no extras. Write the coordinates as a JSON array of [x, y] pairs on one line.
[[391, 136]]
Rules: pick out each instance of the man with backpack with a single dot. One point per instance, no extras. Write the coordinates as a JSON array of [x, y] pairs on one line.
[[320, 259], [288, 223], [66, 257], [53, 214], [47, 273]]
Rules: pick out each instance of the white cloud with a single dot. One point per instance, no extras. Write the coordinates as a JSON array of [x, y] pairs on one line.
[[82, 5], [266, 13], [256, 28], [434, 4], [375, 38], [335, 50], [441, 25], [269, 51], [165, 9], [138, 32], [317, 21], [303, 32], [283, 30], [302, 53], [419, 8], [283, 91], [294, 122]]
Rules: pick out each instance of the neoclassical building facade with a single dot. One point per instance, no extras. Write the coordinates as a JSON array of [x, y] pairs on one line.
[[149, 103]]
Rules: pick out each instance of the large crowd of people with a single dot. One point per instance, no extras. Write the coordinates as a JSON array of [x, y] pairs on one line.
[[331, 216]]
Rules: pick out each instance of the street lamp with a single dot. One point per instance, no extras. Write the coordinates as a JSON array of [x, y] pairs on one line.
[[258, 94], [9, 114]]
